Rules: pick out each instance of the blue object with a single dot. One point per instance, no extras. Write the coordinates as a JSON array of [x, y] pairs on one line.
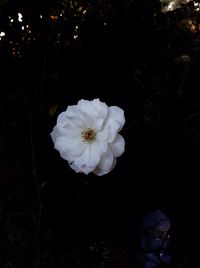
[[155, 240]]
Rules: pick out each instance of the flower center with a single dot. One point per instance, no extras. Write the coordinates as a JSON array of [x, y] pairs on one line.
[[88, 135]]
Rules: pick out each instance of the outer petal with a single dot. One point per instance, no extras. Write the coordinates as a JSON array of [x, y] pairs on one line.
[[117, 114], [80, 163], [72, 118], [69, 132], [86, 106], [88, 161], [101, 172], [106, 161], [72, 111], [110, 131], [55, 133], [93, 108], [69, 148], [106, 164], [74, 167], [95, 112], [101, 108], [113, 124], [96, 151], [63, 120], [118, 146]]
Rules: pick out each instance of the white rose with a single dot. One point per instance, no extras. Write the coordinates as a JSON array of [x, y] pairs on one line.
[[86, 135]]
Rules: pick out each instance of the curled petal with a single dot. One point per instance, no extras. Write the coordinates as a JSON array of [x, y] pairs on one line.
[[117, 146], [106, 161], [113, 124], [93, 108], [75, 167], [117, 115], [110, 130], [101, 172], [69, 148], [72, 118], [72, 111], [68, 132], [86, 106], [101, 109], [55, 133], [62, 119], [95, 112], [88, 161], [106, 164]]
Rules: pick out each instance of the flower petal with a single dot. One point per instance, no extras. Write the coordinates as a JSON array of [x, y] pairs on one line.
[[100, 172], [102, 135], [69, 132], [101, 108], [88, 161], [75, 167], [110, 130], [95, 112], [117, 146], [96, 151], [86, 107], [63, 120], [106, 164], [69, 148], [72, 118], [81, 161], [55, 133], [72, 111], [113, 124], [95, 107], [117, 114]]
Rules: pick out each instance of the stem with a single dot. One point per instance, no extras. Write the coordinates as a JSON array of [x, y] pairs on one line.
[[35, 176], [44, 71]]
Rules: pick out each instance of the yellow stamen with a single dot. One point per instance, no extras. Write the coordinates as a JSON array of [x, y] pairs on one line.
[[88, 135]]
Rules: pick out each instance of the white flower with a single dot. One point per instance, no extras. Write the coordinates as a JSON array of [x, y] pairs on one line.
[[86, 135]]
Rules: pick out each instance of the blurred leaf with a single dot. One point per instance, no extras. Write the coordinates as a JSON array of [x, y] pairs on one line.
[[53, 110], [3, 2]]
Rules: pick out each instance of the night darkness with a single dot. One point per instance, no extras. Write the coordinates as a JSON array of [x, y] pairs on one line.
[[132, 54]]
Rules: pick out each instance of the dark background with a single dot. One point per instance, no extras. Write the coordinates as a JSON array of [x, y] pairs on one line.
[[127, 54]]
